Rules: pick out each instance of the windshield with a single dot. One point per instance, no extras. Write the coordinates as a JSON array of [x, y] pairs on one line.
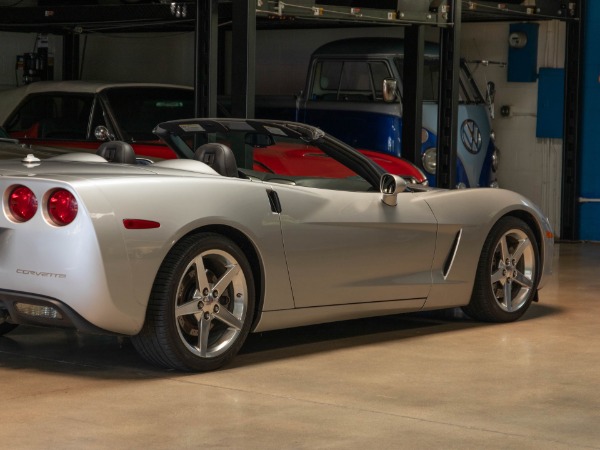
[[468, 91], [52, 115], [137, 111], [277, 155], [357, 81], [287, 152]]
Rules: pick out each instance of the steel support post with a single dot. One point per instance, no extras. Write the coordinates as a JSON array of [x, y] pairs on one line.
[[243, 34], [412, 98], [206, 64], [71, 58], [572, 129], [448, 98]]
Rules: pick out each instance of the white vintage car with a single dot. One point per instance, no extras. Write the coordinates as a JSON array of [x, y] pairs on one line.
[[188, 256]]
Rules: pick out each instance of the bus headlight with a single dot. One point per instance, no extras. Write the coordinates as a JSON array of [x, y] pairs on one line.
[[430, 160], [495, 160]]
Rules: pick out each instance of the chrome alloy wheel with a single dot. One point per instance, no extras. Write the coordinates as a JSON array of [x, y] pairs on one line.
[[513, 270], [211, 303]]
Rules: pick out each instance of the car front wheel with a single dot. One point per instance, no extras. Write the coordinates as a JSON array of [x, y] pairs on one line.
[[507, 273], [201, 305]]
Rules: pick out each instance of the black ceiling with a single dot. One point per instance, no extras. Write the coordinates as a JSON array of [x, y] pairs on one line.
[[84, 16]]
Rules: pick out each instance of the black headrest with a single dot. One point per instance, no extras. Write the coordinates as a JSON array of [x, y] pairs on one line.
[[219, 157], [117, 152]]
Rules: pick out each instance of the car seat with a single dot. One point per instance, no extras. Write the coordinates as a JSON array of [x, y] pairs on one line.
[[219, 157], [117, 152]]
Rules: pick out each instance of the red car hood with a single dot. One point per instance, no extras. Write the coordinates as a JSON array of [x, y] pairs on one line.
[[294, 160]]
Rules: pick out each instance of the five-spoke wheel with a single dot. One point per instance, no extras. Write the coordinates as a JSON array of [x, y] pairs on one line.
[[507, 273], [211, 303], [201, 306]]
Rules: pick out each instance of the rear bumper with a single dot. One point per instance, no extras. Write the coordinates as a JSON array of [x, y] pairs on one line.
[[30, 309]]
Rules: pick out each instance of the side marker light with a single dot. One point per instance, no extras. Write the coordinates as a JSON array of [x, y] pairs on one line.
[[140, 224]]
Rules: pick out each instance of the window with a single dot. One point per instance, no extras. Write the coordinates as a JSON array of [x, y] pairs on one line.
[[52, 116], [355, 81], [139, 110]]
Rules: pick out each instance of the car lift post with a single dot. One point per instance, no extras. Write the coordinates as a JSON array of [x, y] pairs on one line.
[[243, 34], [572, 127], [206, 62], [412, 100], [448, 98], [71, 63]]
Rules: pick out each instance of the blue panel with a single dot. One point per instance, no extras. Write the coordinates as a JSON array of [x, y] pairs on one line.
[[551, 103], [522, 62], [589, 221], [590, 156]]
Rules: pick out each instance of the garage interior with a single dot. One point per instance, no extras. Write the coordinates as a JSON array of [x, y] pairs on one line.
[[428, 380]]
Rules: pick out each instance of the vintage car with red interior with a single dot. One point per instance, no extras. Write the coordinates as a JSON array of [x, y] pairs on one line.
[[82, 115]]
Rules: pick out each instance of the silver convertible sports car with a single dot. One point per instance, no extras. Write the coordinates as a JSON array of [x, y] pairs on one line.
[[187, 256]]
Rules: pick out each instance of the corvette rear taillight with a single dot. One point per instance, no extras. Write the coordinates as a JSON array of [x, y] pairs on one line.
[[62, 207], [22, 203]]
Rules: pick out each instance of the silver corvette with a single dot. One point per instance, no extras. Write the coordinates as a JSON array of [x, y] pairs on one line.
[[188, 256]]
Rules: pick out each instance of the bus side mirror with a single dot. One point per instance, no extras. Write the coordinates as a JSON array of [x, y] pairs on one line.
[[390, 86]]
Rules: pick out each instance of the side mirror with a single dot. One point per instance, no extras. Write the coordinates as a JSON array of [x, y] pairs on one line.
[[390, 86], [101, 133], [390, 186]]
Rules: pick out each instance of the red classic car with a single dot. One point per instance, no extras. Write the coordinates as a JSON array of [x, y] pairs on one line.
[[81, 115]]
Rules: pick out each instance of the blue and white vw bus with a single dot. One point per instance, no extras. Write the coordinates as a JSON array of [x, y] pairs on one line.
[[344, 96]]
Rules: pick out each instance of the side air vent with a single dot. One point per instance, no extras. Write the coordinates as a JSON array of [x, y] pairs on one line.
[[274, 201], [452, 254]]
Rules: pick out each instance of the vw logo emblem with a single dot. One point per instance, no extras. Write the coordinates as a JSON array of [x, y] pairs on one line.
[[471, 136]]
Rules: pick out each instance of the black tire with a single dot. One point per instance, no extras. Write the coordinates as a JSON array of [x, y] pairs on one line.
[[507, 273], [193, 323], [6, 327]]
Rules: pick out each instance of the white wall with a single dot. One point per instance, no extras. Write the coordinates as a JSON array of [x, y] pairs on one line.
[[141, 57], [528, 165]]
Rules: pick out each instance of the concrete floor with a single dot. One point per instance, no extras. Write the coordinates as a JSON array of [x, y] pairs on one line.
[[411, 381]]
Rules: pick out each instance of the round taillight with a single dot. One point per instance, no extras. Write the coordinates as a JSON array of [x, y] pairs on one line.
[[22, 203], [62, 207]]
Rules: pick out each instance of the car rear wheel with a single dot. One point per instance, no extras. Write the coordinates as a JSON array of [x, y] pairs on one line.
[[507, 273], [201, 305]]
